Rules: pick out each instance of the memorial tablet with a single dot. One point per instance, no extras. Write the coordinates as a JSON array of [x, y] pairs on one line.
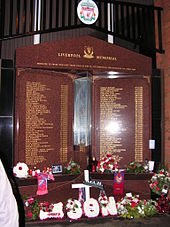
[[44, 118], [122, 119]]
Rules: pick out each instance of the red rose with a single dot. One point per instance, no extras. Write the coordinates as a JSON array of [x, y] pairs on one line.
[[108, 155], [157, 188], [133, 204], [156, 182]]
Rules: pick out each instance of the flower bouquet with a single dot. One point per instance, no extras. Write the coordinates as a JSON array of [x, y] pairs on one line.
[[72, 168], [163, 205], [132, 207], [32, 208], [160, 182], [135, 167], [107, 164]]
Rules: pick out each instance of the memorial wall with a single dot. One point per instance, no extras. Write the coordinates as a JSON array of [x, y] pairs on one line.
[[44, 103]]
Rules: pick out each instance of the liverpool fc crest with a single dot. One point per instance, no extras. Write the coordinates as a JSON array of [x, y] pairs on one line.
[[87, 11], [88, 52]]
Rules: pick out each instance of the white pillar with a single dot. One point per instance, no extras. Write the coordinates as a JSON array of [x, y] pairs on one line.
[[37, 18], [110, 38]]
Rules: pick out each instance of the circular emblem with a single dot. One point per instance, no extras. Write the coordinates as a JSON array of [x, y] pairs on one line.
[[119, 178], [87, 11]]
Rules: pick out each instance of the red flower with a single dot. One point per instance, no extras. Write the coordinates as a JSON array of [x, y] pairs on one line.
[[108, 155], [156, 182], [20, 168], [30, 200], [133, 204], [98, 165], [29, 214], [157, 188]]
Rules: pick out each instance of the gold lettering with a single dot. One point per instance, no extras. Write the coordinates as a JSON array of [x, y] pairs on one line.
[[69, 55], [108, 58]]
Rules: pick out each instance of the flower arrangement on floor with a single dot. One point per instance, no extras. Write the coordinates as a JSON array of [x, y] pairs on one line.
[[73, 208], [107, 164], [160, 182], [72, 168], [103, 199], [46, 206], [135, 167], [132, 207], [163, 205], [32, 208]]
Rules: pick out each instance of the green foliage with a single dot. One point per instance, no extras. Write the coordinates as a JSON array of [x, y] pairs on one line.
[[150, 208], [32, 208], [35, 209], [133, 207]]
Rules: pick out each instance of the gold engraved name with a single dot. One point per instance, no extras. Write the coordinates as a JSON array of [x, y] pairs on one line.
[[69, 55]]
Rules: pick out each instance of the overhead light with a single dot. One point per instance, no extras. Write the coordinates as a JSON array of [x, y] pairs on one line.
[[112, 74]]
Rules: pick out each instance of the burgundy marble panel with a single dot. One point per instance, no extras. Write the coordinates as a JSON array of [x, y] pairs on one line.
[[121, 119], [43, 118], [83, 53]]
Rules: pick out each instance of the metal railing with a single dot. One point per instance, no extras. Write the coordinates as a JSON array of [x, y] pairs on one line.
[[139, 24]]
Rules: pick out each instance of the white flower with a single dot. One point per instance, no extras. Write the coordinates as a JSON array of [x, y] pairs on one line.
[[68, 167]]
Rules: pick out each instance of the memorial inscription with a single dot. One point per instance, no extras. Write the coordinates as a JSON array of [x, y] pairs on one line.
[[45, 116], [110, 121], [121, 119], [37, 127]]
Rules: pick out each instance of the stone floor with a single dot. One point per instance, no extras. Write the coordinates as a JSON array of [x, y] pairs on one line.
[[158, 221]]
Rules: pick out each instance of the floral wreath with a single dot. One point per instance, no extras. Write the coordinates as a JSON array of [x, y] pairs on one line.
[[20, 170], [160, 182]]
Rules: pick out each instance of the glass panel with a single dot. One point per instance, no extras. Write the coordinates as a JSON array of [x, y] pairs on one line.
[[82, 111]]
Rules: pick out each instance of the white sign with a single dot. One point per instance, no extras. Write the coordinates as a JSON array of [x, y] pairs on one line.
[[87, 11], [151, 165], [151, 144]]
